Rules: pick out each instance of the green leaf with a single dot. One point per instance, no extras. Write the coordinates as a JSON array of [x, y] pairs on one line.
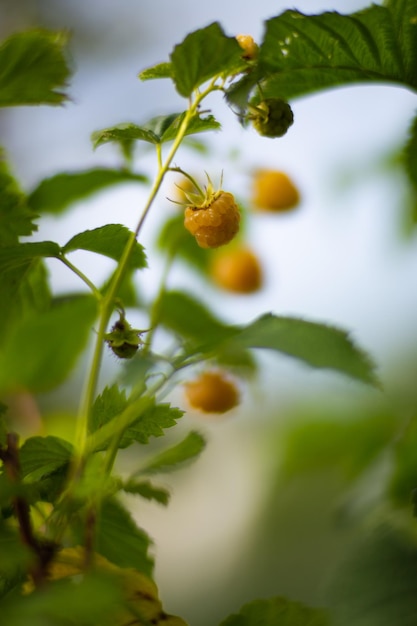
[[161, 70], [202, 55], [191, 319], [109, 240], [55, 194], [175, 239], [153, 422], [197, 124], [410, 162], [318, 345], [12, 256], [41, 349], [110, 403], [123, 134], [302, 53], [403, 480], [33, 68], [147, 490], [120, 540], [277, 611], [40, 456], [16, 217], [168, 460], [376, 586]]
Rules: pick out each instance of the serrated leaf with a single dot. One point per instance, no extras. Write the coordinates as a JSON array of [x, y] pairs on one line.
[[41, 349], [191, 319], [107, 405], [16, 217], [153, 422], [123, 133], [12, 256], [280, 611], [161, 70], [147, 490], [54, 195], [40, 456], [33, 68], [197, 124], [202, 55], [302, 53], [376, 586], [109, 240], [318, 345], [168, 460], [120, 540]]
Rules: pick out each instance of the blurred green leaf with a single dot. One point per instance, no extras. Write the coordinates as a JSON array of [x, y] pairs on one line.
[[123, 134], [316, 344], [376, 586], [120, 540], [175, 239], [128, 292], [41, 349], [54, 195], [14, 559], [349, 444], [161, 70], [109, 240], [153, 422], [16, 217], [40, 456], [110, 403], [12, 256], [279, 611], [147, 490], [33, 68], [202, 55], [403, 480], [191, 319], [187, 450], [410, 155], [302, 53]]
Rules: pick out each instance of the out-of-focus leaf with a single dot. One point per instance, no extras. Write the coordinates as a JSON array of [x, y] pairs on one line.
[[12, 256], [40, 456], [403, 481], [202, 55], [161, 70], [175, 239], [187, 450], [41, 349], [279, 611], [33, 68], [109, 240], [147, 490], [411, 163], [120, 540], [55, 194], [376, 586], [16, 217], [153, 422]]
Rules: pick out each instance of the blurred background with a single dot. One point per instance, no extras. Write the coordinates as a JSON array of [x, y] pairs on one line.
[[241, 523]]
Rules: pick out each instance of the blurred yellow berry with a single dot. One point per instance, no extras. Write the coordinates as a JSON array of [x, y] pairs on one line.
[[212, 392], [274, 191], [249, 47], [237, 270]]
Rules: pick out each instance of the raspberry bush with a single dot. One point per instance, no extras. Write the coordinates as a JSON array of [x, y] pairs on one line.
[[71, 551]]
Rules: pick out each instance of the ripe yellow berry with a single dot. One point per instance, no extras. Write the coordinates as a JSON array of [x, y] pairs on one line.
[[274, 191], [249, 47], [237, 270], [215, 223], [212, 392]]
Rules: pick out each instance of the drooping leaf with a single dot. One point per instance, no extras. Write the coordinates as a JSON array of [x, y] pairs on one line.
[[120, 540], [376, 586], [302, 53], [109, 240], [40, 456], [277, 611], [168, 460], [202, 55], [161, 70], [54, 195], [318, 345], [147, 490], [33, 68], [41, 349], [12, 256], [16, 217], [191, 319]]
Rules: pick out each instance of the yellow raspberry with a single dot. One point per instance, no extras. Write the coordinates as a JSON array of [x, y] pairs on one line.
[[212, 392], [214, 224], [237, 270], [274, 191]]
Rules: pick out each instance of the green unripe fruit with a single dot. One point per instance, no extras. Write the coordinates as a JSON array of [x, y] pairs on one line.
[[272, 117], [123, 340]]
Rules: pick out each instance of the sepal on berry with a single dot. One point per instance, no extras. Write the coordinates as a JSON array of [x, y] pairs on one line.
[[123, 340]]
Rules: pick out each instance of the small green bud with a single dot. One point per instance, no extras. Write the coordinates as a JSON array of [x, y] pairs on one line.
[[123, 340], [271, 117]]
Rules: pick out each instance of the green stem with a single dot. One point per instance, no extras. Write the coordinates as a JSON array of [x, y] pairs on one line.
[[80, 274]]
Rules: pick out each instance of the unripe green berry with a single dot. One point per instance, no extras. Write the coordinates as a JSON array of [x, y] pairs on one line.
[[272, 117], [123, 340]]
